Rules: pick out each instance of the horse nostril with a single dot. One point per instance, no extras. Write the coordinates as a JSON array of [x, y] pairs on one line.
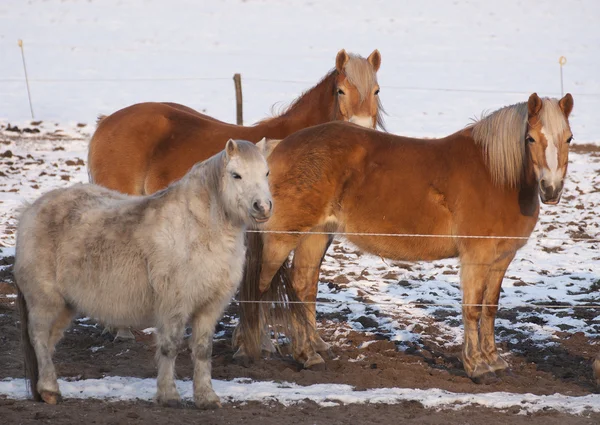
[[256, 206], [270, 205]]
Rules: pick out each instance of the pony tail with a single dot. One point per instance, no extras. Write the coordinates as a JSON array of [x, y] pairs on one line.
[[29, 357]]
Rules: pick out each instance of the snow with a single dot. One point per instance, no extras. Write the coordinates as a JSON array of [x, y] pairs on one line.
[[442, 63], [118, 388]]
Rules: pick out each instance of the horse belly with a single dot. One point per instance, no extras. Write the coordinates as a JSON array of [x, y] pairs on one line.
[[114, 296]]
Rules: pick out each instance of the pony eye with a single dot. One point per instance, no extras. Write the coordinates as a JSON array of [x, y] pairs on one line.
[[236, 176], [376, 92], [340, 92], [569, 139], [529, 139]]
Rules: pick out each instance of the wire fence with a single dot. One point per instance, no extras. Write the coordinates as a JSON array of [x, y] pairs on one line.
[[270, 80], [8, 298]]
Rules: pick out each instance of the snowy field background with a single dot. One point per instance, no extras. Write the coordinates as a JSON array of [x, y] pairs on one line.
[[443, 62]]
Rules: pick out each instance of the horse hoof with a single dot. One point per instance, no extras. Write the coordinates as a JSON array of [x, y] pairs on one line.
[[50, 397], [315, 362], [485, 378], [208, 405], [504, 373]]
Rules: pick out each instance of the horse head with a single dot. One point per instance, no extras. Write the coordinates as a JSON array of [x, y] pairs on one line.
[[357, 89], [245, 186], [548, 137]]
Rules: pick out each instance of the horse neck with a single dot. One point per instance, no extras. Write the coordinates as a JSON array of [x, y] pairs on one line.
[[317, 106]]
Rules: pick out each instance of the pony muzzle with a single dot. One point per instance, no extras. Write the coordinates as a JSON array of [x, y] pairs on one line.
[[261, 210]]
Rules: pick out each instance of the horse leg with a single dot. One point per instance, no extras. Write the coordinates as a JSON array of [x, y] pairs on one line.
[[487, 340], [308, 257], [473, 277], [201, 342], [59, 326], [168, 336], [47, 317]]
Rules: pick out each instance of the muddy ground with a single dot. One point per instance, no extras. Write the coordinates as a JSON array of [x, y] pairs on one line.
[[563, 367]]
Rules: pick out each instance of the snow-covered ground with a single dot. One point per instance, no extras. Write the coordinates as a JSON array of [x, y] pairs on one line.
[[244, 390], [443, 62]]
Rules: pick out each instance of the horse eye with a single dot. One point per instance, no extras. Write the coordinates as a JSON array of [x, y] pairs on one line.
[[529, 139], [569, 139], [340, 92], [268, 172], [376, 92], [236, 176]]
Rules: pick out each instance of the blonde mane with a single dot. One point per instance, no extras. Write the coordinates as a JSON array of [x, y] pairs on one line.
[[501, 135]]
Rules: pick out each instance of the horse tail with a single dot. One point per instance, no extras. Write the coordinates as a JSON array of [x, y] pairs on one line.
[[279, 306], [29, 357]]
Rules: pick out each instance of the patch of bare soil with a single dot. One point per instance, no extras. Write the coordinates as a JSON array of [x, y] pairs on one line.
[[564, 368]]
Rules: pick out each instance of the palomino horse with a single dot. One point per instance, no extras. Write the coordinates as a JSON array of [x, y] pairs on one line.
[[482, 181], [142, 148], [160, 261]]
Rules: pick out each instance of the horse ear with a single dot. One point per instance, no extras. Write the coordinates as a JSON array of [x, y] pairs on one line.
[[231, 148], [262, 145], [566, 104], [375, 59], [534, 105], [341, 60]]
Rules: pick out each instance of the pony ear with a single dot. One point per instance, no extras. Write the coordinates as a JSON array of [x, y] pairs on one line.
[[534, 105], [341, 60], [262, 145], [566, 104], [375, 59], [231, 148]]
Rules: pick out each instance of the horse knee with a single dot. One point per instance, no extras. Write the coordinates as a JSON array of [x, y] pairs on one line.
[[202, 351], [471, 314]]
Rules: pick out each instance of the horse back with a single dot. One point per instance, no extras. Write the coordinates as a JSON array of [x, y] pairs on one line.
[[144, 147]]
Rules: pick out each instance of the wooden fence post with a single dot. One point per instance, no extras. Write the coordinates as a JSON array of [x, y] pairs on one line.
[[237, 80]]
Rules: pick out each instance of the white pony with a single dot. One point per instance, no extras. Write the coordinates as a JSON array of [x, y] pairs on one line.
[[161, 260]]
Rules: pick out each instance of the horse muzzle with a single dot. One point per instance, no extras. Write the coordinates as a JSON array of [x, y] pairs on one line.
[[550, 193], [261, 210]]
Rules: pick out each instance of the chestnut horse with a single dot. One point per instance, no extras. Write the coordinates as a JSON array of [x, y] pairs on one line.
[[144, 147], [485, 180]]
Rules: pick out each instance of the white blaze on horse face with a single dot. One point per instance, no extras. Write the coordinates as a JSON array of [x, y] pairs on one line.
[[552, 175], [365, 121]]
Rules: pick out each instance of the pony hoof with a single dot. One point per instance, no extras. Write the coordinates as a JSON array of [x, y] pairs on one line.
[[208, 405], [485, 379], [50, 397], [173, 404]]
